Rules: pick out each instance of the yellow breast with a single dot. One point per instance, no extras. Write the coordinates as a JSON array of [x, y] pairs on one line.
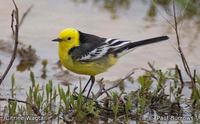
[[87, 68]]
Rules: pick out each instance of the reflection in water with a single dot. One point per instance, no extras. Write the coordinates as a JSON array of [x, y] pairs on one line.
[[112, 6], [190, 7], [28, 58], [27, 55], [5, 46], [44, 69], [24, 65]]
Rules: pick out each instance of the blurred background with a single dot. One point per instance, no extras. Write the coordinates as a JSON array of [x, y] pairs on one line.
[[124, 19]]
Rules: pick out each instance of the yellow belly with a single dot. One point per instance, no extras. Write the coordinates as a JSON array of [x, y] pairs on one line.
[[88, 68]]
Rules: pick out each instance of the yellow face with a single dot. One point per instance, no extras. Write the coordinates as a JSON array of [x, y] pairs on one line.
[[68, 38]]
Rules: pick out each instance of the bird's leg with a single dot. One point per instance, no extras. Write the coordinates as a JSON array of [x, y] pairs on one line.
[[86, 84], [93, 80]]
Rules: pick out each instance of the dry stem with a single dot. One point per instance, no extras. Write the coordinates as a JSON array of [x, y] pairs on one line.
[[184, 61], [15, 17]]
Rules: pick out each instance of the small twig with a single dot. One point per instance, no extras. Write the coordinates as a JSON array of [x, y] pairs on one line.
[[12, 21], [33, 107], [116, 85], [101, 85], [106, 92], [24, 15], [194, 75], [9, 99], [181, 79], [150, 72], [152, 67], [159, 12], [15, 14]]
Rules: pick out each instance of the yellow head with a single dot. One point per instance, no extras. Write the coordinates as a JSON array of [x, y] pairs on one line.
[[68, 38]]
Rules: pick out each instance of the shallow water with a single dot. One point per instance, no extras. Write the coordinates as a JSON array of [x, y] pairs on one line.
[[48, 17]]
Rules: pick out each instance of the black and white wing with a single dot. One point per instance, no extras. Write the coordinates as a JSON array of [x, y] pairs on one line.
[[82, 53], [93, 47]]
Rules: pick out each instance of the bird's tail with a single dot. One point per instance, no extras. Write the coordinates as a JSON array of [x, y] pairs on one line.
[[124, 49]]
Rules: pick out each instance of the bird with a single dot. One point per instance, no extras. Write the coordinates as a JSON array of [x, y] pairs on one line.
[[89, 54]]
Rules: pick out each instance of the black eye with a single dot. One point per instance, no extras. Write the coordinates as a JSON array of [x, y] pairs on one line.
[[69, 38]]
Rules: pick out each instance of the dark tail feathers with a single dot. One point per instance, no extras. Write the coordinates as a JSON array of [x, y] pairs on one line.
[[141, 43]]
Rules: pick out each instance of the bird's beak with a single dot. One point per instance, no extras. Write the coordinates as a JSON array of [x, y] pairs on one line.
[[57, 40]]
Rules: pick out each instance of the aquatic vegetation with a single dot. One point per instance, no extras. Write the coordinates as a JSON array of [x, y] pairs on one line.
[[63, 104]]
